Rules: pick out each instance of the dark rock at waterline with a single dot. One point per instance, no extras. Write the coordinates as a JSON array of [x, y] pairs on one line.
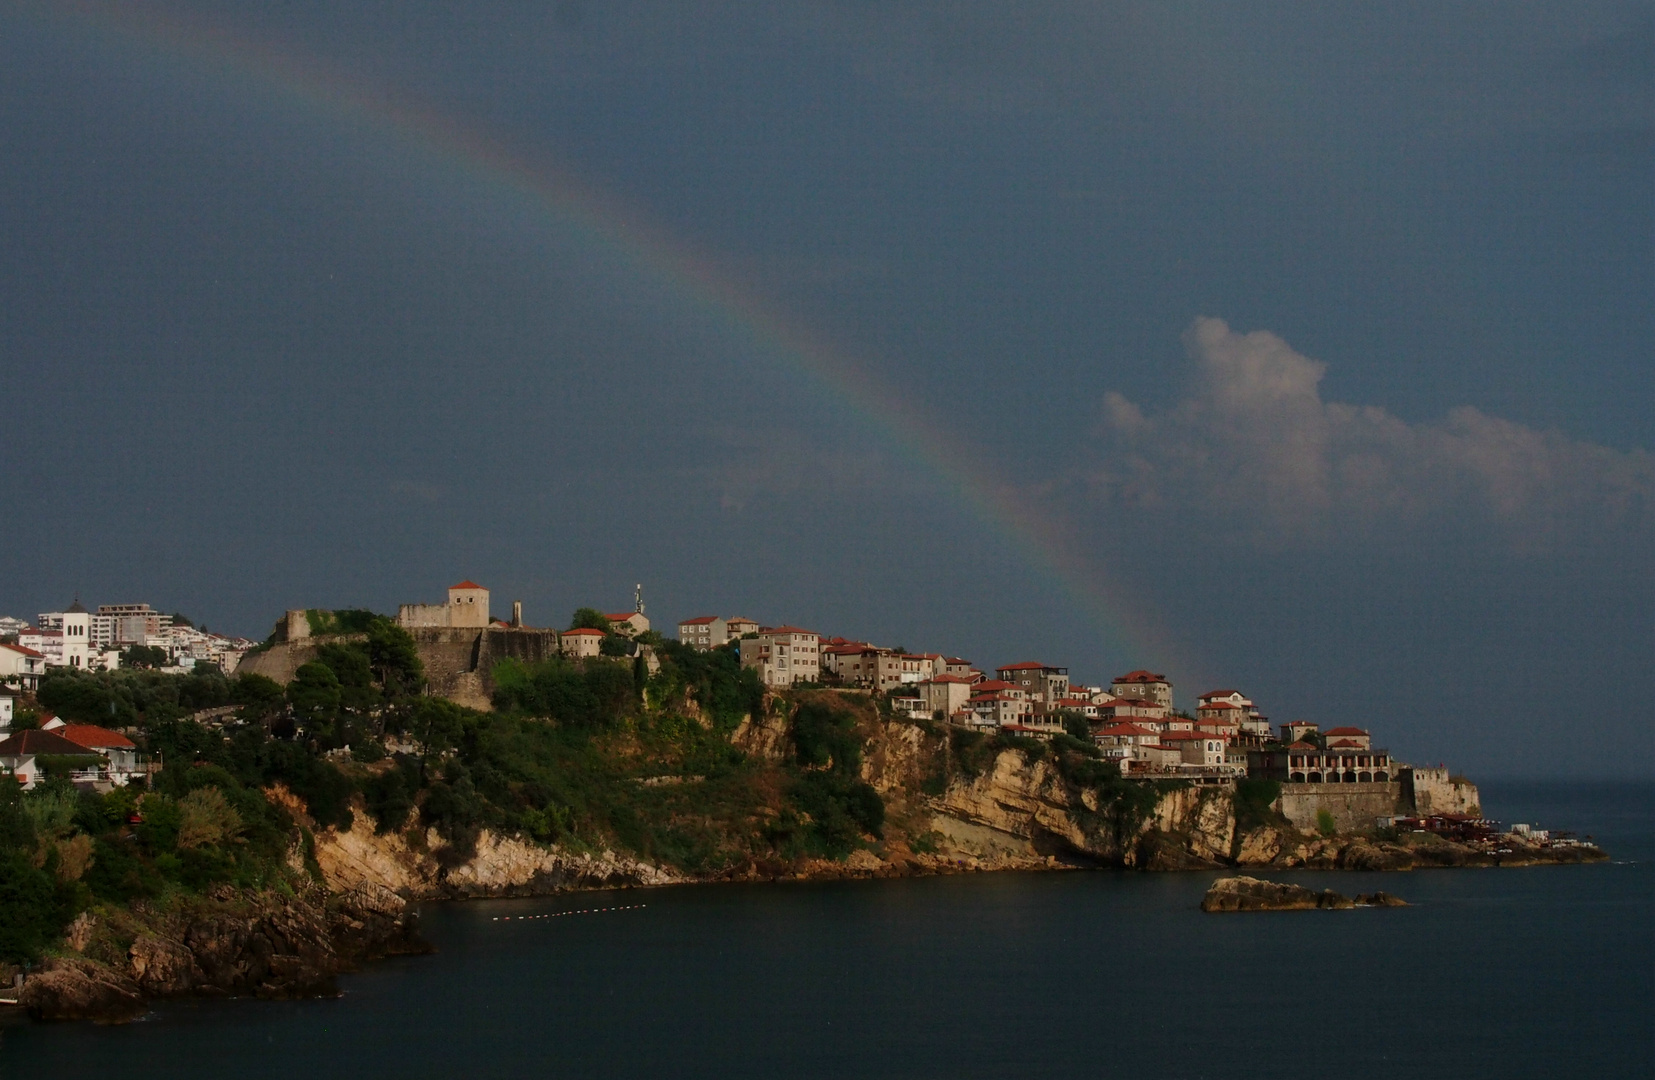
[[70, 988], [1253, 894], [1380, 899], [226, 944]]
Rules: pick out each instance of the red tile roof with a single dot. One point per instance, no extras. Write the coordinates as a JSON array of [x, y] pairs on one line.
[[1141, 676], [97, 738], [585, 631], [1302, 745], [702, 621], [24, 649], [467, 584], [1346, 731], [39, 742], [1182, 736], [786, 630], [1125, 729], [620, 616], [1219, 693], [1352, 743]]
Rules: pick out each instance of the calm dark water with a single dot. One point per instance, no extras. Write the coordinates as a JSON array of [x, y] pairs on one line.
[[1542, 972]]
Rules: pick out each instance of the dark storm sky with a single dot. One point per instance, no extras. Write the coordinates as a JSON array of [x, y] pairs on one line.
[[1326, 330]]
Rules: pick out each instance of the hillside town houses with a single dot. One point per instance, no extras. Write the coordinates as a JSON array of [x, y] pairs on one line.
[[1133, 722], [95, 640]]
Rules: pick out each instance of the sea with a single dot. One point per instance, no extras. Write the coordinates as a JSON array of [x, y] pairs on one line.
[[1534, 972]]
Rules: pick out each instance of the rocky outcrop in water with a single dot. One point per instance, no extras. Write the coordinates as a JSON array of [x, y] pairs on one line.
[[229, 944], [73, 988], [1253, 894]]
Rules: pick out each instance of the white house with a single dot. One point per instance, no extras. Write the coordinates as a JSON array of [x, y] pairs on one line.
[[582, 642], [21, 666]]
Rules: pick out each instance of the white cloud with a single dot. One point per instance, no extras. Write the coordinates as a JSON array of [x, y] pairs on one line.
[[1261, 453]]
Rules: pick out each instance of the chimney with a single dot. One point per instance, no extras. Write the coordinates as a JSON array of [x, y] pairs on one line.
[[517, 613]]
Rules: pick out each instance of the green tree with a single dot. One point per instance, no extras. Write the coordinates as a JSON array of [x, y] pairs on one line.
[[144, 656], [589, 619], [1077, 725], [314, 696], [395, 660], [261, 698]]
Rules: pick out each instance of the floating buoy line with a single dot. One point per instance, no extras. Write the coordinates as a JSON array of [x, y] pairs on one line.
[[560, 914]]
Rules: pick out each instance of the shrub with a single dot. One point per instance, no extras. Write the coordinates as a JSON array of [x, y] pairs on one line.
[[1325, 823], [33, 910], [206, 817], [822, 736], [840, 809], [1254, 798], [390, 795], [593, 694]]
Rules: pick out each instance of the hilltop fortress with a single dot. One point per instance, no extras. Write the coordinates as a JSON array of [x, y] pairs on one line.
[[458, 642]]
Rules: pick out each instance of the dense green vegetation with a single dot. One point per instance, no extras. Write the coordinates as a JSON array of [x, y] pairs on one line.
[[1254, 798], [590, 754]]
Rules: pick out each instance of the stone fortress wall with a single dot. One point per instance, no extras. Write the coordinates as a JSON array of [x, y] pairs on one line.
[[1354, 807]]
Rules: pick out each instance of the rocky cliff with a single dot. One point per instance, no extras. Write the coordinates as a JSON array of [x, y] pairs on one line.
[[229, 943]]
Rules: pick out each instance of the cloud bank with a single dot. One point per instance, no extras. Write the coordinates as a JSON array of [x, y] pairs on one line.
[[1259, 453]]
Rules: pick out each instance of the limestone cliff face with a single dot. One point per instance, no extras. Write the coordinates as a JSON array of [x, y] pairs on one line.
[[499, 866], [1032, 806], [763, 736]]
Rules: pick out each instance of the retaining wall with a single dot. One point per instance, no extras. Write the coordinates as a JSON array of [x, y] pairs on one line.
[[1355, 807]]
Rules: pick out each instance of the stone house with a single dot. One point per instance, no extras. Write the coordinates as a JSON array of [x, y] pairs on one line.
[[1000, 709], [628, 623], [583, 642], [945, 693], [1348, 736], [1143, 684], [467, 607], [783, 655], [1196, 748], [1042, 683], [1299, 731], [704, 632], [1306, 763]]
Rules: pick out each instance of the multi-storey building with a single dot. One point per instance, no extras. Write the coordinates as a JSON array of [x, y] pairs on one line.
[[1043, 683], [1143, 684], [783, 655], [704, 632]]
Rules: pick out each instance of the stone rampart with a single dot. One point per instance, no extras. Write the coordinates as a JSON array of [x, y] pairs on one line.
[[1431, 790], [1355, 807], [458, 660], [283, 660]]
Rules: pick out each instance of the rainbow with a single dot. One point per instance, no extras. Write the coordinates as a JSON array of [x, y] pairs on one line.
[[622, 233]]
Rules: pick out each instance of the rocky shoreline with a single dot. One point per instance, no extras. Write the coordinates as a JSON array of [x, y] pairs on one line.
[[1019, 813], [228, 944]]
